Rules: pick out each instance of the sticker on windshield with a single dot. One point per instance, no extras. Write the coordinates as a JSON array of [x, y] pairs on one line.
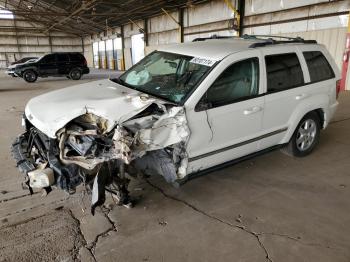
[[202, 61]]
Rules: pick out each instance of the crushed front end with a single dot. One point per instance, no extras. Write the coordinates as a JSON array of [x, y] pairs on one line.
[[102, 155]]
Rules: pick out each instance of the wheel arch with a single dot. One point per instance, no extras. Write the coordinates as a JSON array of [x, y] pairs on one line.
[[34, 69], [318, 104]]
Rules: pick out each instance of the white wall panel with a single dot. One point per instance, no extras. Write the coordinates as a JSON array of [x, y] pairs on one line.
[[300, 26], [207, 13], [264, 6], [162, 23], [131, 29], [168, 37]]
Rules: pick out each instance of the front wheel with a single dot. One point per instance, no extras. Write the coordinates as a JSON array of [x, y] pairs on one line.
[[305, 137], [75, 74], [30, 76]]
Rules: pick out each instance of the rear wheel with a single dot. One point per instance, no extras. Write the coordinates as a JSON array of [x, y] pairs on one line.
[[75, 74], [305, 137], [30, 76]]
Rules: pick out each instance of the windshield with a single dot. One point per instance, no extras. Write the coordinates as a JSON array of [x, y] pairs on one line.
[[166, 75]]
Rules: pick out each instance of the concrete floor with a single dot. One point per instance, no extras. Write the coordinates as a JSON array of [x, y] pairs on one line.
[[270, 208]]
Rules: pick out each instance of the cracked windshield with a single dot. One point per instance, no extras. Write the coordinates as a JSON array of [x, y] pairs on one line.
[[166, 75]]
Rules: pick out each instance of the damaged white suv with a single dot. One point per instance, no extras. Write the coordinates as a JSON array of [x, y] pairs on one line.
[[181, 110]]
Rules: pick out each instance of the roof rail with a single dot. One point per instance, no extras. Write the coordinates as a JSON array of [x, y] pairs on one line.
[[270, 40], [199, 39], [264, 40]]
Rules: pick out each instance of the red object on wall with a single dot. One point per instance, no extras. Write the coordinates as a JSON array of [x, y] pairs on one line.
[[346, 59]]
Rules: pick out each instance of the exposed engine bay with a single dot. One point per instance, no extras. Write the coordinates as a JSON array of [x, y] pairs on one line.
[[102, 154]]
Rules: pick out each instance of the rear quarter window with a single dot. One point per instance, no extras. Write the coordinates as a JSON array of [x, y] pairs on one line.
[[76, 57], [283, 72], [318, 66]]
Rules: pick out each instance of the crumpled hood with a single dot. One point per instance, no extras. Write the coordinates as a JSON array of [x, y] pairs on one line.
[[52, 111]]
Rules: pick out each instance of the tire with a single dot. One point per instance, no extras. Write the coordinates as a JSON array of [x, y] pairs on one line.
[[30, 76], [306, 136], [75, 74]]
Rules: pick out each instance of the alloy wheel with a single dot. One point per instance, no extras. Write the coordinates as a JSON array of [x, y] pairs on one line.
[[306, 134]]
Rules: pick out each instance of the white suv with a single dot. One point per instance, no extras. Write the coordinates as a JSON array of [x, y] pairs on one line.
[[181, 110]]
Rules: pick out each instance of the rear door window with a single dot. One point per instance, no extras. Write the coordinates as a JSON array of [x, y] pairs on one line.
[[318, 65], [283, 72]]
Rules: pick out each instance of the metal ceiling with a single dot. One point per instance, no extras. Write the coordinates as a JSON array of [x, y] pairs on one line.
[[83, 17]]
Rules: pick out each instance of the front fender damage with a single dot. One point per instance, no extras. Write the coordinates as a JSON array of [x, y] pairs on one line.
[[85, 151]]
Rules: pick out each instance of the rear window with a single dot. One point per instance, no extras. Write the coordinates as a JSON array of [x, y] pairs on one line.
[[283, 72], [318, 65]]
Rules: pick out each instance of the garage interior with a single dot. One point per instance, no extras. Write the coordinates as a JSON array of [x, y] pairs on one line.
[[268, 208]]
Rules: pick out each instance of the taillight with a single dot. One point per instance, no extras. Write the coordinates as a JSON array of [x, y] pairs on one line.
[[338, 88], [85, 62]]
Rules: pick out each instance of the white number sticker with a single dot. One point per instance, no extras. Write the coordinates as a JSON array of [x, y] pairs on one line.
[[202, 61]]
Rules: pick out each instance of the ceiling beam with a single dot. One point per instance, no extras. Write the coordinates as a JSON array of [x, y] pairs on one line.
[[85, 6]]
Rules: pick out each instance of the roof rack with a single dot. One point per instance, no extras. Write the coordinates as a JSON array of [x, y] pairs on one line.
[[270, 40], [264, 40], [199, 39]]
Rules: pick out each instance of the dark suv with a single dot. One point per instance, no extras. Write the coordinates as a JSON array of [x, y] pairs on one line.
[[71, 65]]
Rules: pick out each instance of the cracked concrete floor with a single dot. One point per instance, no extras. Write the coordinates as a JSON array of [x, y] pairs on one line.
[[269, 208]]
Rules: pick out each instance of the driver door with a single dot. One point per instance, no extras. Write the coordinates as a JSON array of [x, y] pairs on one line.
[[227, 120]]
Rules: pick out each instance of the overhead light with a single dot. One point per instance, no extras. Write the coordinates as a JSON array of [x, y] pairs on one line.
[[30, 7]]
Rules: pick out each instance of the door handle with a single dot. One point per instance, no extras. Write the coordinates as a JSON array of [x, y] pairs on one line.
[[301, 96], [252, 110]]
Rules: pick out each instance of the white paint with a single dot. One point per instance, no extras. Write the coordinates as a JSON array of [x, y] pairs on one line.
[[52, 111]]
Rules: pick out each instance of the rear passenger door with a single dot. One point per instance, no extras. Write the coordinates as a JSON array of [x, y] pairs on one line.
[[285, 80], [63, 64]]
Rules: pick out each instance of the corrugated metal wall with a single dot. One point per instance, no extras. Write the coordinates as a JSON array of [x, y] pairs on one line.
[[28, 41]]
